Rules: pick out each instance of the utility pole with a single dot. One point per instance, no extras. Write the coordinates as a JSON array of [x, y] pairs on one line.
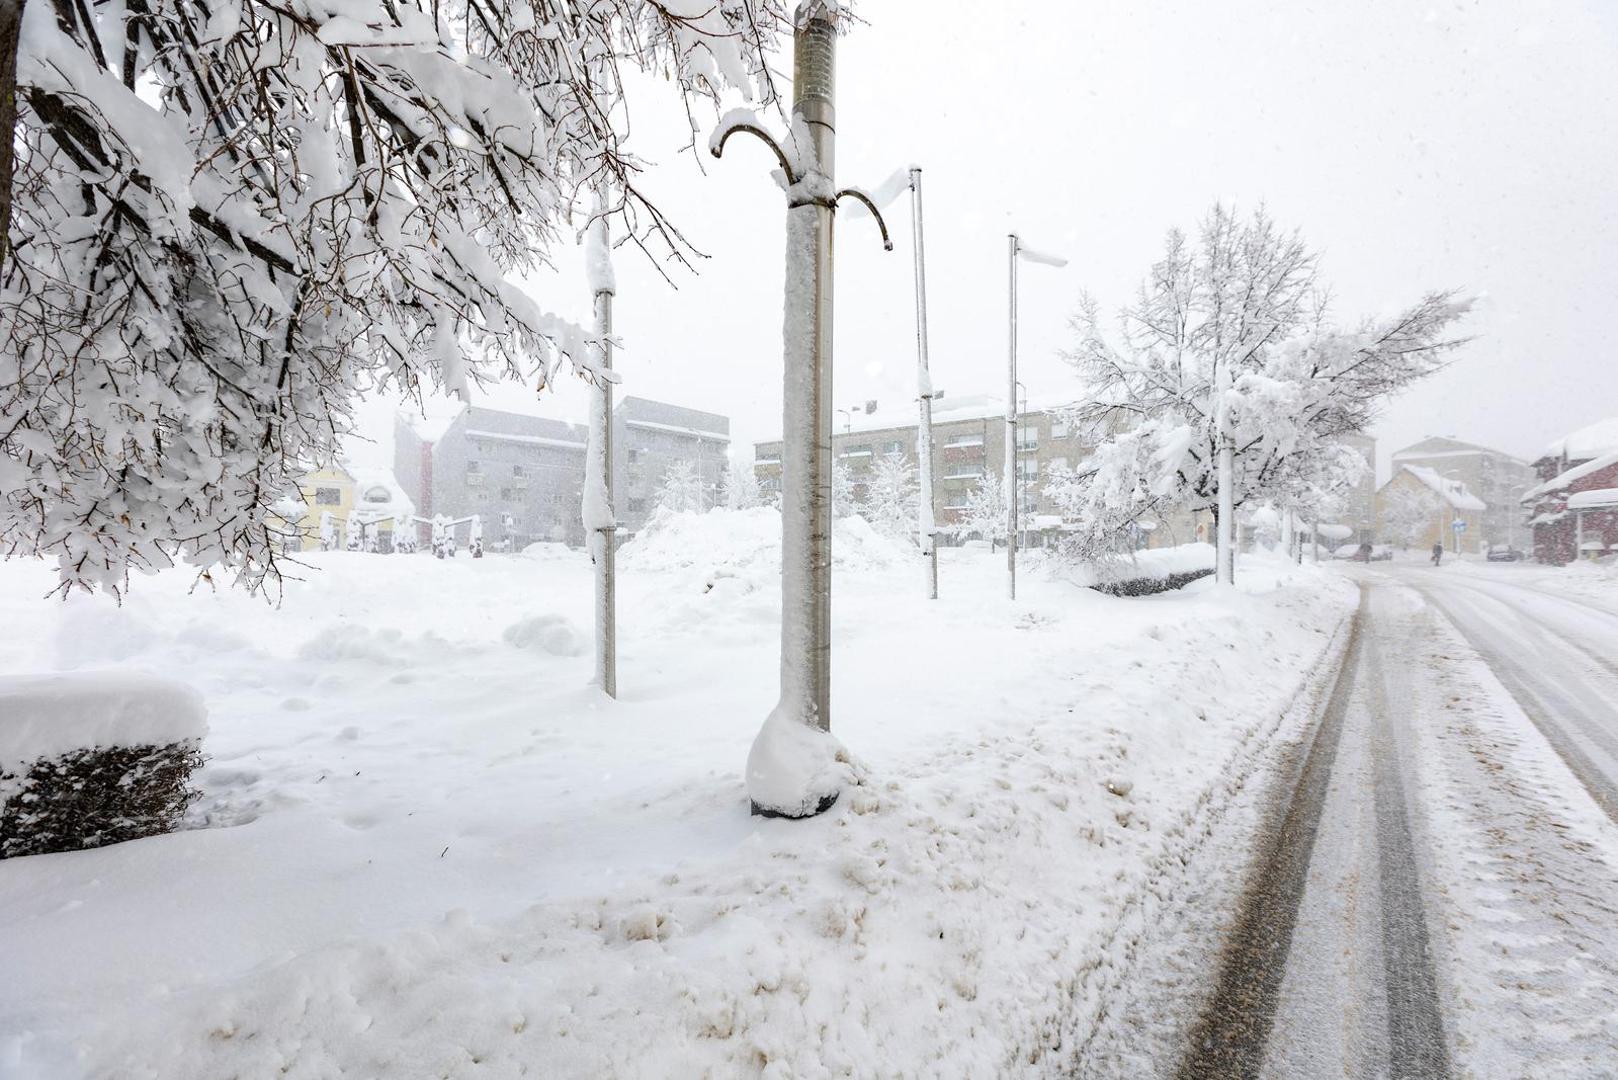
[[601, 521], [1010, 482], [781, 780], [1225, 550], [1016, 250], [924, 382]]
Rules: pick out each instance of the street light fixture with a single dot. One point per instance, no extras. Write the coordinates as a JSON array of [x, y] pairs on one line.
[[791, 772]]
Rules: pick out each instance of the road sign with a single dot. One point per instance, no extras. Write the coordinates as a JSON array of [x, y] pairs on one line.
[[1458, 525]]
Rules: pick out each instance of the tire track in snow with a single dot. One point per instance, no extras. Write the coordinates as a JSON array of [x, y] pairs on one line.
[[1550, 703], [1400, 1022], [1229, 1039], [1416, 1047]]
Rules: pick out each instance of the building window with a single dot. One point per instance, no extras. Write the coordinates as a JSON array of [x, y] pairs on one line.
[[634, 454], [1028, 468], [857, 451], [505, 493], [1059, 429], [964, 440], [473, 466], [964, 472], [1058, 463], [637, 506], [328, 496], [767, 457], [894, 447], [1027, 437], [518, 472]]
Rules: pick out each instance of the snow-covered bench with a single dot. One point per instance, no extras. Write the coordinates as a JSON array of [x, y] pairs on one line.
[[94, 758]]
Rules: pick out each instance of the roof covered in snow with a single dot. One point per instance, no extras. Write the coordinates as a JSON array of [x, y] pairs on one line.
[[1594, 440], [1453, 491], [378, 493], [1592, 499], [1439, 446], [1569, 476], [905, 412]]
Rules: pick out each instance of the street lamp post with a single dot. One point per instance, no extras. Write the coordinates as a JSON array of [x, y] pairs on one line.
[[600, 518], [1016, 250], [790, 772], [925, 526]]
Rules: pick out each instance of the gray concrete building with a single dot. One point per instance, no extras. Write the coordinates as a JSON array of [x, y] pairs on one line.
[[650, 438], [969, 440], [524, 475]]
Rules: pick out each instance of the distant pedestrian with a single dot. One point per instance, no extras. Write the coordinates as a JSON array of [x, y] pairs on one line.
[[1438, 553]]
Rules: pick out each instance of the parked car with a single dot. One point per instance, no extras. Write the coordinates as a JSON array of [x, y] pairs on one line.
[[1503, 553]]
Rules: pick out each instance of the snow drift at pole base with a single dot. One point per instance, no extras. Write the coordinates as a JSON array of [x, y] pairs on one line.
[[795, 770]]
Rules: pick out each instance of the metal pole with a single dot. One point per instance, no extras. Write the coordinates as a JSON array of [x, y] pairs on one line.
[[1225, 551], [924, 435], [781, 775], [1011, 429], [607, 538], [807, 454]]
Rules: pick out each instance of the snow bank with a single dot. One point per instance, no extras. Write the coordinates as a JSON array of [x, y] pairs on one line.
[[470, 864], [747, 541], [46, 716]]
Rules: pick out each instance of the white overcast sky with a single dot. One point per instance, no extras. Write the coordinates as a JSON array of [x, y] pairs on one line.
[[1417, 145]]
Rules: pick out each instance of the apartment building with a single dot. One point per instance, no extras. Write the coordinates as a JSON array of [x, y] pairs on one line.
[[652, 437], [524, 475], [969, 442]]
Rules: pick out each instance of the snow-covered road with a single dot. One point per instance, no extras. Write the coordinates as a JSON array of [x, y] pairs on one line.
[[1435, 893]]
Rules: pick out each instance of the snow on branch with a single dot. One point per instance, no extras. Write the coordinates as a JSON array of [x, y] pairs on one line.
[[227, 218]]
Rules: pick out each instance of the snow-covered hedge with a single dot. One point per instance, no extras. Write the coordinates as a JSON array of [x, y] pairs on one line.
[[1146, 572], [88, 759]]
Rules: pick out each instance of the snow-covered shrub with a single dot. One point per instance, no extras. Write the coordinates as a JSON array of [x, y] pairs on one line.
[[94, 759]]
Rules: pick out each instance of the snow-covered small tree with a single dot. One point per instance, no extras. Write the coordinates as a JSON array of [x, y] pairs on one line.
[[1408, 513], [741, 490], [844, 490], [1228, 351], [680, 491], [890, 498], [985, 514], [223, 219]]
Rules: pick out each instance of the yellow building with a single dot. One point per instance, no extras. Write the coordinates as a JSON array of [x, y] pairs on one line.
[[1419, 507], [368, 500]]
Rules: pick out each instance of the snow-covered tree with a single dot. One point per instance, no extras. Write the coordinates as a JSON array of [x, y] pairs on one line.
[[890, 497], [844, 490], [1409, 512], [741, 490], [222, 219], [1229, 343], [985, 513], [680, 491]]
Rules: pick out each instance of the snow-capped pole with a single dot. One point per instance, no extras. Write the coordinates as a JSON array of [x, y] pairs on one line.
[[600, 516], [796, 768], [1016, 250]]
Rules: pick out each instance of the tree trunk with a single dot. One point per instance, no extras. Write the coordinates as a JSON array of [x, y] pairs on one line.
[[10, 31]]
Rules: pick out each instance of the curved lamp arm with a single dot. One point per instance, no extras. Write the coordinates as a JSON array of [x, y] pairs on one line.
[[717, 146], [856, 193]]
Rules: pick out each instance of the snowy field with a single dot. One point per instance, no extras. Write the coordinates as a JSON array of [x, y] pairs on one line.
[[426, 847]]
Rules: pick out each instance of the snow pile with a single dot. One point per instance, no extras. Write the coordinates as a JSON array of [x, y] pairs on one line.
[[46, 716], [552, 634], [746, 542]]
